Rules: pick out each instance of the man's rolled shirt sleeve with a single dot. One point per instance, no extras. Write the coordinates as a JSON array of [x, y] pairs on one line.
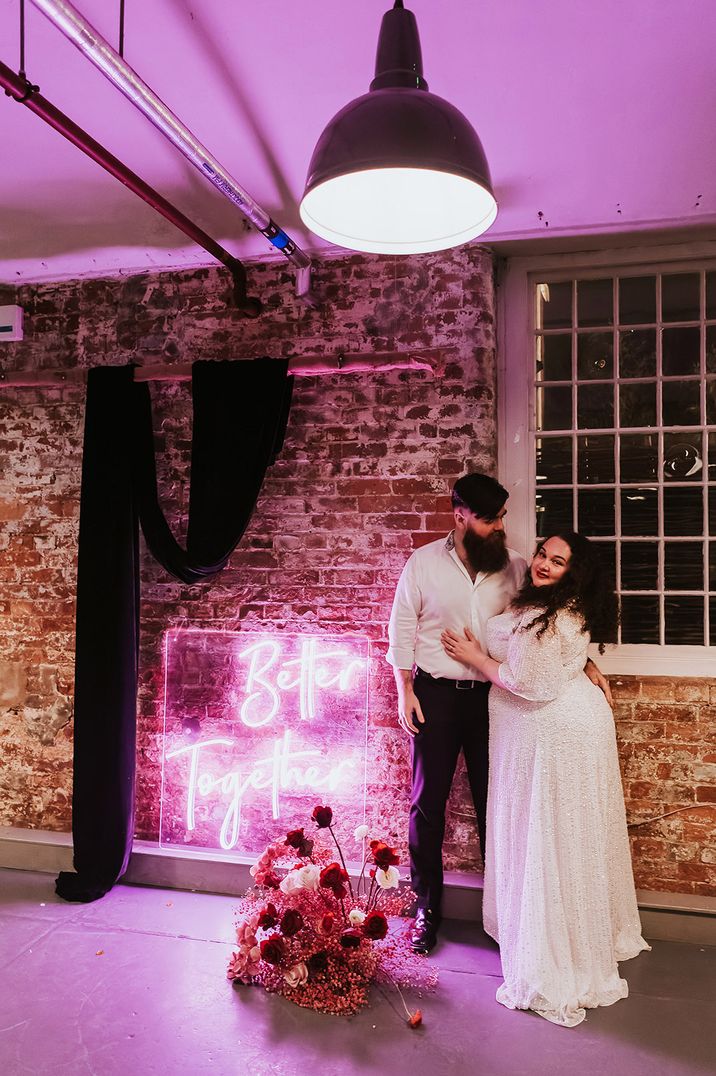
[[403, 624]]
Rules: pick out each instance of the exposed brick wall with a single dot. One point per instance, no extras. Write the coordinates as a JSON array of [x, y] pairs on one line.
[[361, 481]]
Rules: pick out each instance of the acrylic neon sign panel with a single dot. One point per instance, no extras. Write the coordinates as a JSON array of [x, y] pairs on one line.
[[258, 729]]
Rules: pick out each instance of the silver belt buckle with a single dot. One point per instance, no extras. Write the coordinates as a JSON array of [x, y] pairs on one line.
[[464, 685]]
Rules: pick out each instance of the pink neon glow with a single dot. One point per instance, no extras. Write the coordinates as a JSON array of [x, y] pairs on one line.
[[258, 728]]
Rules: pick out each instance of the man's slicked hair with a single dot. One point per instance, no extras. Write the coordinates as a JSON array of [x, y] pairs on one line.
[[481, 494]]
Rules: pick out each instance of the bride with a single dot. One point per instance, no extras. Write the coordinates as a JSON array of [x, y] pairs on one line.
[[559, 892]]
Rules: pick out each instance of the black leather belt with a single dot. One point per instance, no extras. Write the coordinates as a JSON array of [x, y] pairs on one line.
[[459, 685]]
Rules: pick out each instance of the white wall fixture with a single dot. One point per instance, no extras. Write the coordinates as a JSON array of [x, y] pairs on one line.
[[10, 323]]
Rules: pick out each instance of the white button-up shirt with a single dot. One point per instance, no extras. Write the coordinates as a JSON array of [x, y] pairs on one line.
[[435, 592]]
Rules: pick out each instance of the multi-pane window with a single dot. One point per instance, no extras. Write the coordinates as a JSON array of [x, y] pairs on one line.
[[625, 440]]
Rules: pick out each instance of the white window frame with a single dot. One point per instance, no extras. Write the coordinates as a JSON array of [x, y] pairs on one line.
[[516, 432]]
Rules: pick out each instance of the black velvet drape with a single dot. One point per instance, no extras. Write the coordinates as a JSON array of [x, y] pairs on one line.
[[240, 410]]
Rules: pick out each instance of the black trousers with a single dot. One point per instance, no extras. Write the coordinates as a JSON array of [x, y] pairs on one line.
[[454, 719]]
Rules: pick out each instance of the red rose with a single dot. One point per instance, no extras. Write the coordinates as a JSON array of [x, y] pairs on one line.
[[268, 917], [271, 880], [325, 925], [273, 949], [322, 816], [333, 877], [383, 855], [295, 838], [291, 922], [351, 938], [375, 926]]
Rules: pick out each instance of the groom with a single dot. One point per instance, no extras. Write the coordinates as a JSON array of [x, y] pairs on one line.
[[456, 582]]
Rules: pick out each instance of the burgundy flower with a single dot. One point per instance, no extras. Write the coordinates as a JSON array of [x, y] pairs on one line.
[[334, 877], [322, 816], [273, 949], [291, 922], [271, 880], [295, 838], [351, 938], [268, 917], [383, 855], [325, 924], [375, 926], [318, 962]]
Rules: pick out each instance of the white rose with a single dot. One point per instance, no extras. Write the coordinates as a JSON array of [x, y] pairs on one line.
[[356, 917], [291, 882], [361, 833], [308, 876], [388, 879], [297, 975]]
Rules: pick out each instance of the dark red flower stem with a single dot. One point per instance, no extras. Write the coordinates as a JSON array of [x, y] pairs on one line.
[[340, 853]]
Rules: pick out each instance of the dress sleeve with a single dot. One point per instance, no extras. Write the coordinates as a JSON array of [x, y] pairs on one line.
[[535, 668]]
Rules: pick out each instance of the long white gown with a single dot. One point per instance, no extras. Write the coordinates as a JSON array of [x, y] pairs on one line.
[[559, 890]]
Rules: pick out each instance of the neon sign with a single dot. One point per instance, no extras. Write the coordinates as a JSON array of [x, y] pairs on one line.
[[259, 728]]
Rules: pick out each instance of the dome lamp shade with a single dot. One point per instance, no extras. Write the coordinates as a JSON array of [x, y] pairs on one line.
[[399, 170]]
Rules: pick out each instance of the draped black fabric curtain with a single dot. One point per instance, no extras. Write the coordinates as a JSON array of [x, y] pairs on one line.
[[240, 411]]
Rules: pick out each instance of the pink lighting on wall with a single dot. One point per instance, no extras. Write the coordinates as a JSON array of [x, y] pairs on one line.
[[258, 728]]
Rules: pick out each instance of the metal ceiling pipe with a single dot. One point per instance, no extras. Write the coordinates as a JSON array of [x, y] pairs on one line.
[[82, 34], [23, 92]]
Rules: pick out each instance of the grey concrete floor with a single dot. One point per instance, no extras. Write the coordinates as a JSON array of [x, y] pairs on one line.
[[135, 985]]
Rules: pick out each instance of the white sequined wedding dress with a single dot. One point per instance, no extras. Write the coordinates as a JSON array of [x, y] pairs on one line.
[[559, 891]]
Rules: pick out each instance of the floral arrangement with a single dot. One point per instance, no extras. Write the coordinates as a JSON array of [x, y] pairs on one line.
[[312, 937]]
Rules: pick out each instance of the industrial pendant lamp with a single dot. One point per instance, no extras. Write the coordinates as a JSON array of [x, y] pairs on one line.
[[398, 170]]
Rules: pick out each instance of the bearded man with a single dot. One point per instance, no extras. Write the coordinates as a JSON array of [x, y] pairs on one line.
[[457, 582]]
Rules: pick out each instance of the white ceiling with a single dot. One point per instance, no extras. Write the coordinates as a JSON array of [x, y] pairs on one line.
[[596, 117]]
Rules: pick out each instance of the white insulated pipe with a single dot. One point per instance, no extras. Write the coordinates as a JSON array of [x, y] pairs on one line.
[[76, 28]]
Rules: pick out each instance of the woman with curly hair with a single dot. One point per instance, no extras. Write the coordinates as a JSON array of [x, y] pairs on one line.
[[559, 891]]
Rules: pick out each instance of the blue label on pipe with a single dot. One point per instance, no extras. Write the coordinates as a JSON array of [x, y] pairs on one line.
[[280, 240]]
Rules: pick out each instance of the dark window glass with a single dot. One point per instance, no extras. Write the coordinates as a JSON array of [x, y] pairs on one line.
[[595, 459], [680, 351], [594, 302], [595, 406], [712, 566], [682, 457], [684, 565], [640, 619], [711, 295], [640, 511], [637, 353], [637, 404], [556, 358], [637, 300], [554, 511], [683, 510], [637, 457], [554, 460], [640, 566], [596, 512], [683, 621], [711, 349], [556, 305], [712, 621], [554, 408], [595, 356], [681, 405], [680, 297], [608, 556]]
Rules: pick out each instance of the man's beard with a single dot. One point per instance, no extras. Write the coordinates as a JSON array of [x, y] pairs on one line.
[[486, 554]]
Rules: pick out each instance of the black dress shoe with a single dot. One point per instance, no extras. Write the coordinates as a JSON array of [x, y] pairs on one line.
[[425, 931]]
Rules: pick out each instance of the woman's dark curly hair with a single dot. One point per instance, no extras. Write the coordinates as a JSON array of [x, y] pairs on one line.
[[584, 588]]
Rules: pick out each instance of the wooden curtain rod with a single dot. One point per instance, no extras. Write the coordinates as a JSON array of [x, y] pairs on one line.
[[300, 365]]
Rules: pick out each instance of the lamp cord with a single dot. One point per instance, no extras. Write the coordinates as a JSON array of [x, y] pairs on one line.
[[667, 814], [121, 28], [21, 72]]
